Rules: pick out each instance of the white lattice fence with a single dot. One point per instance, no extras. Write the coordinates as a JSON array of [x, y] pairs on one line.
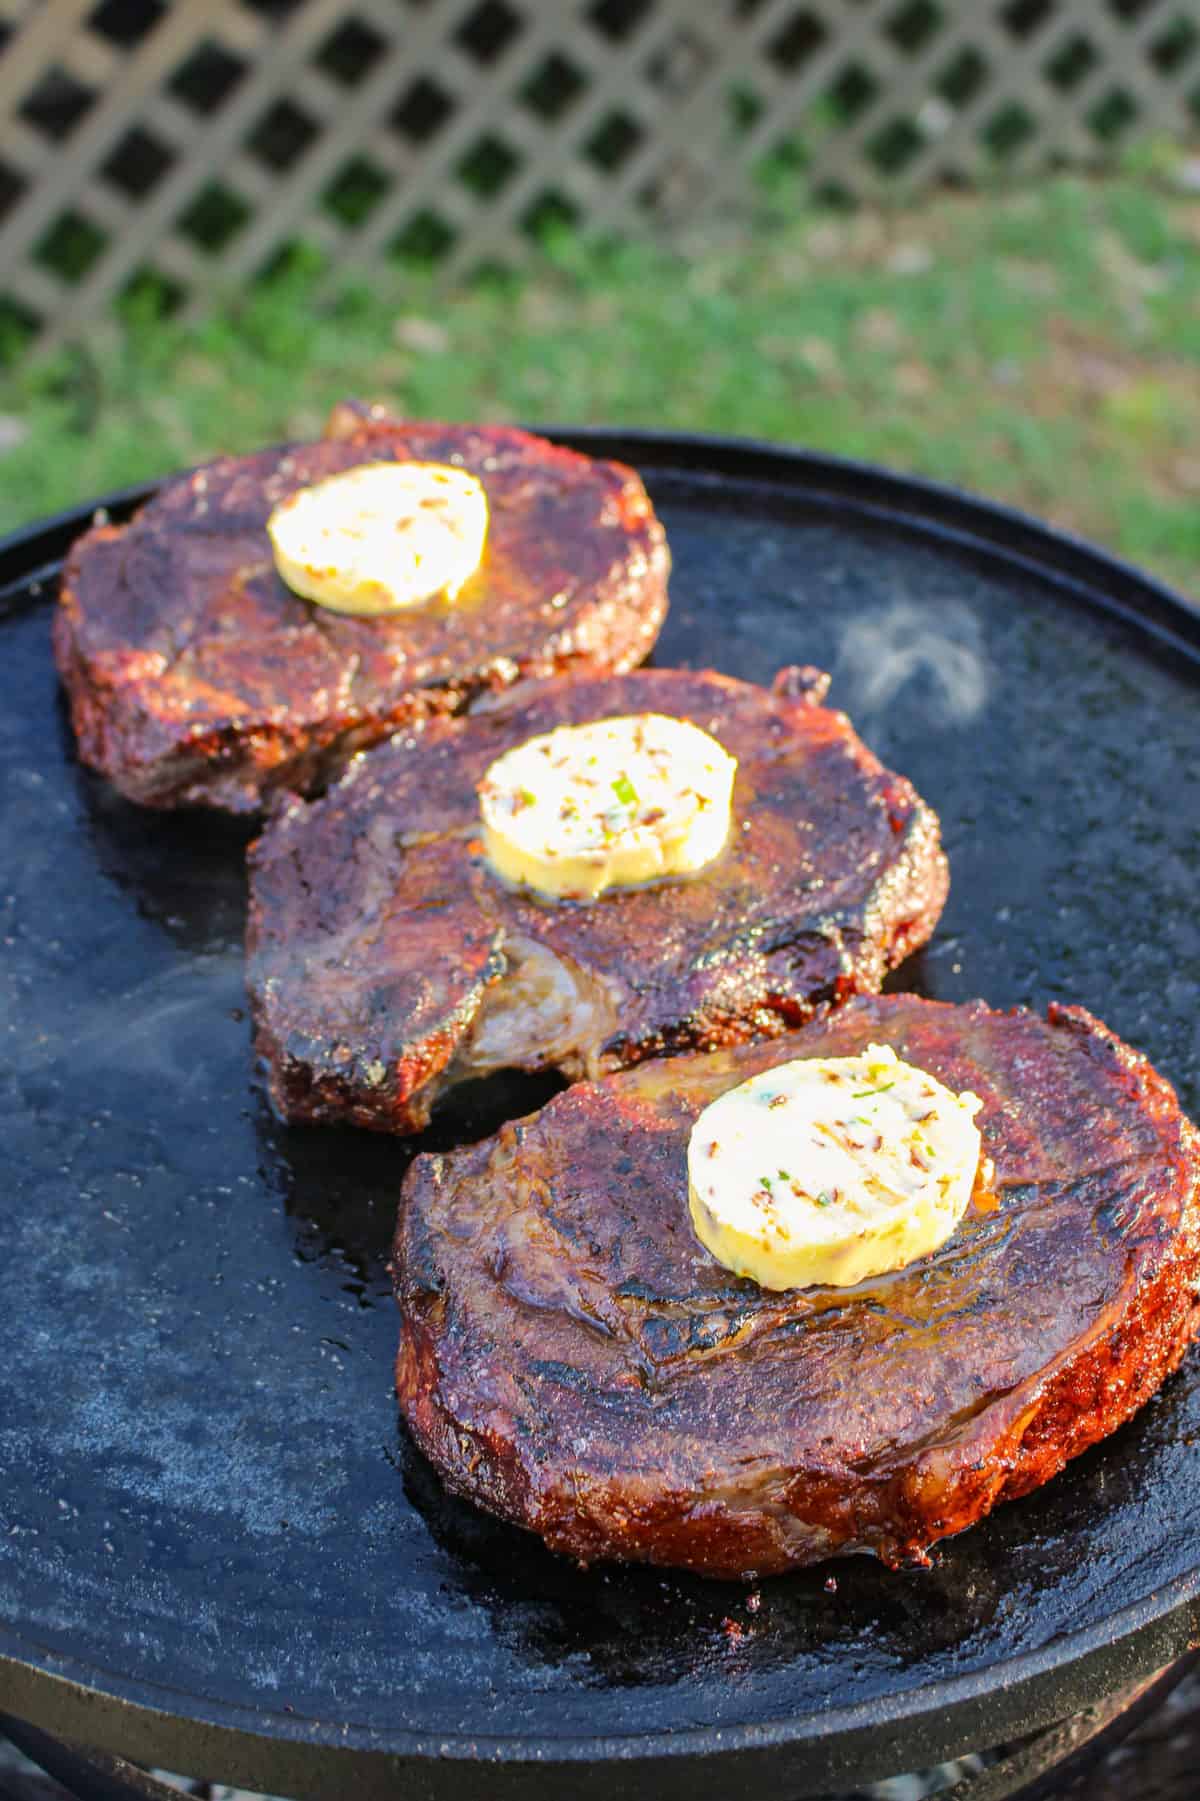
[[181, 147]]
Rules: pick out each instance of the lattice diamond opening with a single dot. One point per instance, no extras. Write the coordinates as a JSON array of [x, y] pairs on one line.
[[18, 326], [57, 104], [489, 31], [1176, 45], [149, 294], [12, 186], [553, 87], [914, 24], [549, 214], [422, 111], [1072, 62], [214, 218], [427, 238], [619, 19], [893, 148], [277, 11], [962, 79], [350, 52], [1008, 129], [356, 191], [798, 41], [282, 135], [1112, 116], [488, 166], [207, 76], [852, 92], [137, 163], [1025, 17], [70, 247], [613, 141], [126, 22]]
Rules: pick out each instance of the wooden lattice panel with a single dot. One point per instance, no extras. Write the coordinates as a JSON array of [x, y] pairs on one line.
[[187, 147]]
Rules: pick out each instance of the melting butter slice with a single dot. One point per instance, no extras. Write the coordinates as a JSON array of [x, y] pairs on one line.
[[381, 537], [615, 803], [832, 1169]]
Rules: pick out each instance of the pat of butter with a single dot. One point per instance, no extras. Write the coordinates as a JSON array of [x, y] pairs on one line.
[[832, 1169], [612, 804], [381, 537]]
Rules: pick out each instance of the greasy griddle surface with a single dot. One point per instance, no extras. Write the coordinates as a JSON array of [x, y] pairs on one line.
[[204, 1483]]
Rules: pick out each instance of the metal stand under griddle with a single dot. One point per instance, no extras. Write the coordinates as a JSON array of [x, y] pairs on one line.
[[1045, 1766]]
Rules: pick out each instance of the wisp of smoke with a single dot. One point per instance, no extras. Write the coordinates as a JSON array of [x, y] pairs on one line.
[[940, 647]]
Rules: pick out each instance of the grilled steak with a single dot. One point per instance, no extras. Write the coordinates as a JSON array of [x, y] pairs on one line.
[[574, 1360], [195, 676], [386, 960]]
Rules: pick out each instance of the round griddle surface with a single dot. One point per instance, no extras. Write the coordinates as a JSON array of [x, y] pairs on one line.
[[217, 1548]]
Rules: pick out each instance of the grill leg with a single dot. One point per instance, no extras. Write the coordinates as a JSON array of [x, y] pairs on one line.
[[90, 1775]]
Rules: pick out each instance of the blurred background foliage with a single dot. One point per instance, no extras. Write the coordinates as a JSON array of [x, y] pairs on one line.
[[1041, 346]]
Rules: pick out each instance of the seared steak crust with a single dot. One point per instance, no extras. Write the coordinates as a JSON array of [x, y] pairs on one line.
[[195, 676], [573, 1359], [385, 959]]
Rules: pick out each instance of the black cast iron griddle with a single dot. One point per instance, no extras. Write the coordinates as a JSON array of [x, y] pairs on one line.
[[218, 1551]]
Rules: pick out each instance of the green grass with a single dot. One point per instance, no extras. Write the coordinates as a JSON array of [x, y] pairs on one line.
[[1041, 347]]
